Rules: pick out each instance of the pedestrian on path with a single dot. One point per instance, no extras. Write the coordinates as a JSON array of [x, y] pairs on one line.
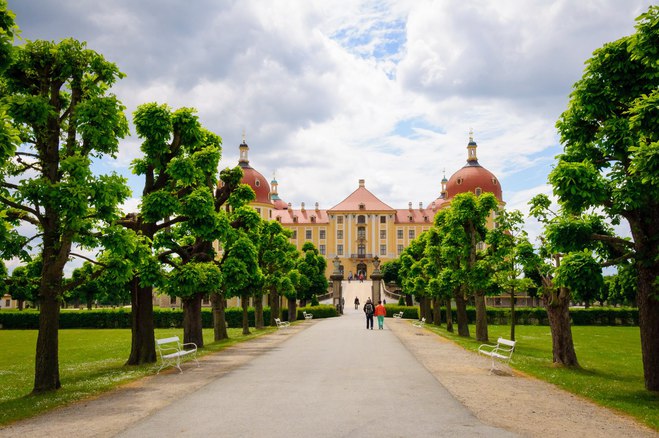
[[380, 312], [356, 303], [369, 310]]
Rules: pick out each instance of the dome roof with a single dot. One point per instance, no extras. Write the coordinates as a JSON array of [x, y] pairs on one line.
[[471, 177], [257, 182]]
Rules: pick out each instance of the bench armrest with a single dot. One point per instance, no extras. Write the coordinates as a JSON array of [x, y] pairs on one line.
[[487, 348], [189, 344]]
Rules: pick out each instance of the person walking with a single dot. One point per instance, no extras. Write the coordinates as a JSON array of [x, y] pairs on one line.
[[356, 303], [380, 312], [369, 310]]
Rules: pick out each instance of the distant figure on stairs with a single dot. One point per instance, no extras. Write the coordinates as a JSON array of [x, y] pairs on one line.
[[356, 303]]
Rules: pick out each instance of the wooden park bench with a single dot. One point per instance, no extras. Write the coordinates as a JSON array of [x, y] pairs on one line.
[[398, 314], [419, 323], [501, 352], [307, 315], [282, 324], [171, 350]]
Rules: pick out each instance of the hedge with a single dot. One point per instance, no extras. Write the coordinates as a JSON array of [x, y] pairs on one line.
[[162, 317], [612, 316], [166, 318]]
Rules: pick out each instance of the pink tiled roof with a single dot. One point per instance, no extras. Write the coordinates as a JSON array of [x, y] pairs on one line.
[[303, 217], [359, 197]]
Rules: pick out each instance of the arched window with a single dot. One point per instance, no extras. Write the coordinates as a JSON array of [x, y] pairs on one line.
[[361, 232], [361, 219]]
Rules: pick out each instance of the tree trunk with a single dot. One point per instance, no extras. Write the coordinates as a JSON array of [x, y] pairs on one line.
[[219, 318], [275, 308], [192, 324], [292, 310], [303, 302], [143, 344], [46, 367], [258, 312], [648, 315], [436, 311], [512, 314], [558, 311], [461, 308], [449, 316], [244, 301], [481, 317]]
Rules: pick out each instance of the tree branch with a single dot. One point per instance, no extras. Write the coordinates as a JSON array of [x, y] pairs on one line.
[[95, 262], [618, 260], [20, 207], [616, 241]]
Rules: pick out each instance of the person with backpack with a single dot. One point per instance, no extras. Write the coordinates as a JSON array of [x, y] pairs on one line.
[[380, 312], [369, 310]]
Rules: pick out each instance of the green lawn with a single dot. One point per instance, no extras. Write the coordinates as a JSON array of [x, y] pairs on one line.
[[91, 361], [611, 371]]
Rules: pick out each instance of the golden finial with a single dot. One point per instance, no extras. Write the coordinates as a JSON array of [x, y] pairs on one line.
[[471, 134], [243, 135]]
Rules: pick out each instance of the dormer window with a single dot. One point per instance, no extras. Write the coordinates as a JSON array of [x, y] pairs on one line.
[[257, 183], [313, 219], [362, 206], [411, 218], [295, 219], [278, 218], [425, 218], [494, 181], [478, 191], [459, 180]]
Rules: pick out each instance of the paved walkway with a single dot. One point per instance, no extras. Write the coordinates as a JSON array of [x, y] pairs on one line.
[[334, 379]]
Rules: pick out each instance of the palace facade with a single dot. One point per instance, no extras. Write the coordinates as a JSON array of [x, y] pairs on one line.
[[361, 227]]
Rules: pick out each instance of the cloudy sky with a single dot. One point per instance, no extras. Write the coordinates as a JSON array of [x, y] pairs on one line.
[[330, 92]]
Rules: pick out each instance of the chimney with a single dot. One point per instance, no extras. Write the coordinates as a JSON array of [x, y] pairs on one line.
[[302, 208], [317, 206], [409, 206], [362, 183], [420, 205]]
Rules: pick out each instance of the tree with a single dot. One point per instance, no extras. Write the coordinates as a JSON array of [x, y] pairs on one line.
[[57, 96], [311, 266], [23, 284], [465, 224], [503, 256], [178, 154], [611, 145], [277, 257]]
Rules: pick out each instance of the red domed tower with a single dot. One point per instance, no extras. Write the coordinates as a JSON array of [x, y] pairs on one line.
[[473, 177]]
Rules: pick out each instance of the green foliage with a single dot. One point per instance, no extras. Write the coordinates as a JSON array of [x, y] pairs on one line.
[[409, 312], [580, 273], [318, 311]]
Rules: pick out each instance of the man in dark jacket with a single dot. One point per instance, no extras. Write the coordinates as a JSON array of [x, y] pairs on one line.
[[369, 309]]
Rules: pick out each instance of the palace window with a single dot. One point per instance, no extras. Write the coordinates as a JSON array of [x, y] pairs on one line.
[[339, 249], [307, 234], [339, 219], [383, 250], [361, 250], [321, 249], [399, 249], [322, 234], [339, 234], [361, 219], [399, 233], [411, 234], [361, 233], [383, 234], [383, 219]]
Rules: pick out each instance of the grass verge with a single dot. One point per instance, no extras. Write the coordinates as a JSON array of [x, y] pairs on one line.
[[91, 362], [611, 372]]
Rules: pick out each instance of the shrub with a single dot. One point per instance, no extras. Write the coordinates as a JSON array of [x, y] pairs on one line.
[[409, 312], [319, 311]]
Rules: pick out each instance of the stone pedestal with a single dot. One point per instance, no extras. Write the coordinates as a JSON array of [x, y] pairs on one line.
[[377, 287], [337, 292]]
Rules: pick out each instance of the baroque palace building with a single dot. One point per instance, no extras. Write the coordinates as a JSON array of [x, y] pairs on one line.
[[361, 227]]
